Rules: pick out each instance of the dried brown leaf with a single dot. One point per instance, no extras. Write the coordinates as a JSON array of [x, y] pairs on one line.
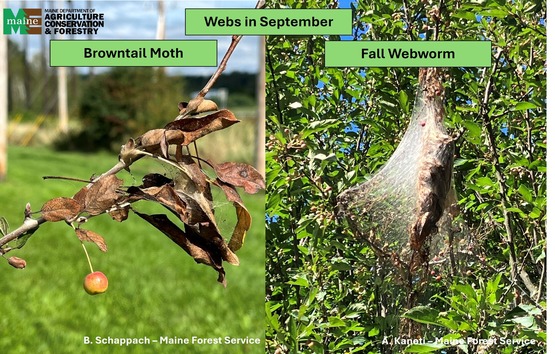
[[194, 173], [244, 219], [91, 236], [129, 153], [155, 180], [196, 211], [193, 188], [240, 175], [211, 234], [120, 214], [151, 140], [206, 106], [79, 197], [196, 128], [102, 195], [244, 222], [166, 196], [197, 105], [190, 241], [60, 208]]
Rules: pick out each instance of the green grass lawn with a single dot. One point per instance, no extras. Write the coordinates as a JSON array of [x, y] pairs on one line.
[[156, 289]]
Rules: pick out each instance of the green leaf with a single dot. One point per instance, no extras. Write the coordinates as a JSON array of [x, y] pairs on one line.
[[465, 14], [484, 182], [300, 281], [495, 12], [491, 289], [517, 210], [374, 332], [521, 106], [531, 309], [271, 318], [424, 348], [467, 290], [403, 101], [423, 314], [335, 321], [474, 132], [526, 321], [525, 193], [535, 213]]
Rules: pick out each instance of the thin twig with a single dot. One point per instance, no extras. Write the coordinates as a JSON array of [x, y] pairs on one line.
[[223, 64], [67, 178], [408, 19], [194, 104]]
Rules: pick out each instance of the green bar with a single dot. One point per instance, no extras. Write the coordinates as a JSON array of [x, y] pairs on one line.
[[133, 53], [408, 54], [262, 22]]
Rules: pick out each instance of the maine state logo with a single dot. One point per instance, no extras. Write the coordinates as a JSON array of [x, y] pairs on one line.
[[25, 21]]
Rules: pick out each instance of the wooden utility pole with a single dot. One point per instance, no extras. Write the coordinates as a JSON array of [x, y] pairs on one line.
[[62, 98], [161, 26], [90, 38], [3, 102], [261, 98]]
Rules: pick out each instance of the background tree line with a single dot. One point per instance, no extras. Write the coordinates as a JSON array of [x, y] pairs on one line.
[[112, 104]]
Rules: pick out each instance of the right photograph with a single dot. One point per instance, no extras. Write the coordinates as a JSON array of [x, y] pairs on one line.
[[406, 206]]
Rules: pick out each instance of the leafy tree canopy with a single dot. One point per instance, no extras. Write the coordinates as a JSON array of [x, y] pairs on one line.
[[330, 128]]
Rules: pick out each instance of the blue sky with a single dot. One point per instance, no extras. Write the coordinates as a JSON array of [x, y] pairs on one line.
[[137, 20]]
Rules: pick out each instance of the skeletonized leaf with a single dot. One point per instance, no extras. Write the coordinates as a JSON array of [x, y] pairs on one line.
[[102, 195], [91, 236], [60, 208], [197, 213], [240, 175], [192, 188], [244, 219]]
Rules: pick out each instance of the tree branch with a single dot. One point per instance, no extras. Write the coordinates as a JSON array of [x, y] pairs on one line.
[[490, 143], [30, 224]]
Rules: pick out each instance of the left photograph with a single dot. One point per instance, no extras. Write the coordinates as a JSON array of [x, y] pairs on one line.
[[131, 180]]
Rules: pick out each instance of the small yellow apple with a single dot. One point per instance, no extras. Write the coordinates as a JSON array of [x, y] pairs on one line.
[[95, 283]]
